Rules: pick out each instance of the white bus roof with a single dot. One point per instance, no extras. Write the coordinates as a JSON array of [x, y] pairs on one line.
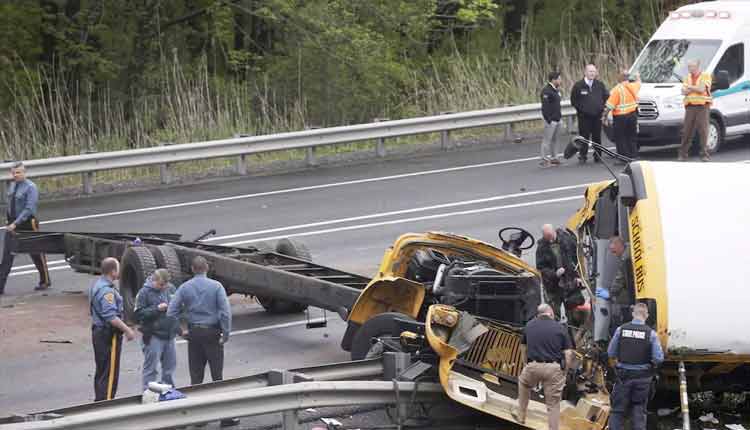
[[706, 234]]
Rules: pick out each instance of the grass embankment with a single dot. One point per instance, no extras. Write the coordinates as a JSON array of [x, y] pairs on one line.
[[49, 119]]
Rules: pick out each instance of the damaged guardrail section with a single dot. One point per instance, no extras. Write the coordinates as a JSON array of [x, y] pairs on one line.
[[87, 164], [243, 403]]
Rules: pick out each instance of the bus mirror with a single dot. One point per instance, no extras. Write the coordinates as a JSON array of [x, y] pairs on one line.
[[720, 81], [626, 190]]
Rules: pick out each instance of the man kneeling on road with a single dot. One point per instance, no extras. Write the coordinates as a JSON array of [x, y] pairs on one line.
[[159, 330], [548, 352]]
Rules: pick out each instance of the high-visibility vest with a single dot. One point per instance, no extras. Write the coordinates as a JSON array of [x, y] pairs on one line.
[[698, 98], [623, 99]]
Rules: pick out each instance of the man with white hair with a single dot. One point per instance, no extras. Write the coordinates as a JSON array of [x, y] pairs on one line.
[[636, 349], [696, 87], [549, 352]]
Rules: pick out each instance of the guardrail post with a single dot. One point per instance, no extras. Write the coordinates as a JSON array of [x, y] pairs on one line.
[[164, 175], [380, 146], [508, 133], [4, 192], [87, 178], [445, 135], [310, 150], [289, 419], [88, 182], [242, 159], [569, 121]]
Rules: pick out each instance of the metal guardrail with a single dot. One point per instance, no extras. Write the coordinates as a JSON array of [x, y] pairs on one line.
[[244, 403], [87, 164], [287, 392]]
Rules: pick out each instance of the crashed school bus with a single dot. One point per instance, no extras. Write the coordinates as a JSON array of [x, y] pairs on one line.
[[686, 224], [460, 304]]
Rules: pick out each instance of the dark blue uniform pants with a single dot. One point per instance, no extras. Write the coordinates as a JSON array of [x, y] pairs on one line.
[[632, 393], [9, 248], [107, 348], [204, 347]]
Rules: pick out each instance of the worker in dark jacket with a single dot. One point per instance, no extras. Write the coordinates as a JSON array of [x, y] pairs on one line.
[[556, 257], [588, 96], [552, 115], [637, 352], [159, 330]]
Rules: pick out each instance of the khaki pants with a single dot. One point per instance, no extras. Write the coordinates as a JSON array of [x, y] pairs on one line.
[[552, 131], [696, 120], [553, 381]]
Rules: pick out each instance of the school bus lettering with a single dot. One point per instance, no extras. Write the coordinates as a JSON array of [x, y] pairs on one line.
[[639, 269]]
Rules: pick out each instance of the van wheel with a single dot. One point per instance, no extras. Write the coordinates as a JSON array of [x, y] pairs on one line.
[[380, 325], [715, 136]]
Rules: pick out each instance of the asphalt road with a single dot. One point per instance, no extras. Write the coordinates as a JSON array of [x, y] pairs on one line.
[[346, 215]]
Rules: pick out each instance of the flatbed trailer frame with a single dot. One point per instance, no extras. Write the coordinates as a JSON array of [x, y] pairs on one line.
[[283, 278]]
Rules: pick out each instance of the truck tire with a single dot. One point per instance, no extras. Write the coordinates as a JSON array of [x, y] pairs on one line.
[[291, 248], [136, 265], [262, 246], [380, 325], [166, 258]]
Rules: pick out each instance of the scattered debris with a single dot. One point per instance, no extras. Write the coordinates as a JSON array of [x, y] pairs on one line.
[[708, 418], [666, 411], [311, 410], [72, 292], [735, 426], [330, 422], [56, 341]]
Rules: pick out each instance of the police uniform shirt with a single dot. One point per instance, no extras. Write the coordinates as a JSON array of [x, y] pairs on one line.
[[545, 340], [23, 201], [205, 303], [106, 302]]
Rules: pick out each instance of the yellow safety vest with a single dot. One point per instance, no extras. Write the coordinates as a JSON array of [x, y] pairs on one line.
[[623, 99], [702, 97]]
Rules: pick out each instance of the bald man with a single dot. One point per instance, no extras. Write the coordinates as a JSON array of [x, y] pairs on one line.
[[589, 96], [556, 256]]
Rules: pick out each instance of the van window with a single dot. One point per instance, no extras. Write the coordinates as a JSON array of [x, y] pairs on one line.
[[666, 60], [733, 61]]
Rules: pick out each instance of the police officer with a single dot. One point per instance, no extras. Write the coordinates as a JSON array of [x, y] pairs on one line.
[[588, 96], [21, 215], [158, 329], [637, 351], [548, 352], [107, 329], [209, 316]]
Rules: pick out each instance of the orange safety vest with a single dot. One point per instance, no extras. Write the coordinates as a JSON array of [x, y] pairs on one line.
[[698, 98], [624, 98]]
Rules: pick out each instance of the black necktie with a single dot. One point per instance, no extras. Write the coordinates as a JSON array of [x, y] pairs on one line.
[[12, 212]]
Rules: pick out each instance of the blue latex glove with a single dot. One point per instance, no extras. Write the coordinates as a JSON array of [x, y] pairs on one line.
[[602, 293]]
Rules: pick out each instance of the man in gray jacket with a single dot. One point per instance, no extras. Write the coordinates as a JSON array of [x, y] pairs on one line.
[[159, 329]]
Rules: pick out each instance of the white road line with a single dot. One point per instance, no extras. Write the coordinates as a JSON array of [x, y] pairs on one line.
[[399, 212], [405, 220], [364, 217], [261, 329], [377, 224], [291, 190]]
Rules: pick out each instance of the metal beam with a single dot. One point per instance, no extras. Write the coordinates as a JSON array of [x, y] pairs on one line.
[[84, 163], [243, 403]]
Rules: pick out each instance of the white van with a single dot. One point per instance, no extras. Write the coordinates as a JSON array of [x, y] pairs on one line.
[[718, 34]]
